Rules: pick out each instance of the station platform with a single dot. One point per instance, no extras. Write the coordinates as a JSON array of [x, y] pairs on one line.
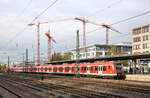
[[138, 77]]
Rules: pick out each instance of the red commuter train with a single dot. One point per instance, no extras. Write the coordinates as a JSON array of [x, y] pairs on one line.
[[101, 69]]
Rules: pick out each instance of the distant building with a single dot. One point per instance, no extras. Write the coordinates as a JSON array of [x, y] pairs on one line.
[[141, 42], [98, 50]]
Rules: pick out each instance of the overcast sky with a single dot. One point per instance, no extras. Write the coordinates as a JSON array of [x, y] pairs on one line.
[[15, 15]]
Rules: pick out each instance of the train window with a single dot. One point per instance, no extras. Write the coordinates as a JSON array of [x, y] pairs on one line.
[[96, 68], [91, 68], [60, 68], [56, 68], [72, 68], [84, 68], [81, 68], [67, 68], [104, 68]]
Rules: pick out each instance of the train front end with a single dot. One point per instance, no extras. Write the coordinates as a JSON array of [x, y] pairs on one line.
[[119, 71]]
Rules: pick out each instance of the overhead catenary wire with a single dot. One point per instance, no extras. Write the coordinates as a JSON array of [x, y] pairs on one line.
[[20, 32], [44, 11], [20, 14], [124, 20], [107, 7], [118, 22]]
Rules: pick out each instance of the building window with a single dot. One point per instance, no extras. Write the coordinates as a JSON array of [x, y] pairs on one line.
[[145, 45], [145, 52], [106, 53], [145, 37], [138, 31], [88, 54], [93, 53], [137, 39], [84, 55], [145, 29], [136, 47], [98, 53]]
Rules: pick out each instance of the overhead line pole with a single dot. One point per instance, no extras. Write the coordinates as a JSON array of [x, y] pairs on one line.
[[8, 63], [26, 57], [77, 55], [38, 44]]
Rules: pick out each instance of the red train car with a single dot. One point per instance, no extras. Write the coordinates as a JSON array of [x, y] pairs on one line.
[[102, 69]]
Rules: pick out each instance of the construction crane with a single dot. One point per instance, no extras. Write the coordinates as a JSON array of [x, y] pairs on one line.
[[38, 42], [107, 28], [38, 34], [49, 45], [103, 25], [69, 19]]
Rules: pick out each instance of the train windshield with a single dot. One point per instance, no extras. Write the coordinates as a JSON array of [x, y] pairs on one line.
[[118, 66]]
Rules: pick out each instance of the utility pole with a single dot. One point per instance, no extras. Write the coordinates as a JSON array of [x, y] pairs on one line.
[[23, 59], [8, 63], [26, 57], [77, 55]]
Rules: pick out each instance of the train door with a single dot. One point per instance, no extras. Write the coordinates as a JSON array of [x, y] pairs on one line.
[[100, 70], [96, 69], [109, 69], [88, 69]]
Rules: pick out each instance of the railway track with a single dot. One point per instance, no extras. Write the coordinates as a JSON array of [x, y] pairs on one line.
[[21, 90], [10, 91], [127, 87], [63, 90]]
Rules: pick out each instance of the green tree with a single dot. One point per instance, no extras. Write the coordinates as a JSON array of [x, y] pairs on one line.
[[3, 68], [59, 56], [113, 52], [67, 56]]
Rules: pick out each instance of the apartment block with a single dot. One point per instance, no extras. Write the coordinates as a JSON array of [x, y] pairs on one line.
[[141, 40]]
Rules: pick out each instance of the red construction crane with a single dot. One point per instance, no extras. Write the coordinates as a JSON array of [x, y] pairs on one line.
[[103, 25], [38, 34], [68, 19], [107, 28], [49, 44]]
